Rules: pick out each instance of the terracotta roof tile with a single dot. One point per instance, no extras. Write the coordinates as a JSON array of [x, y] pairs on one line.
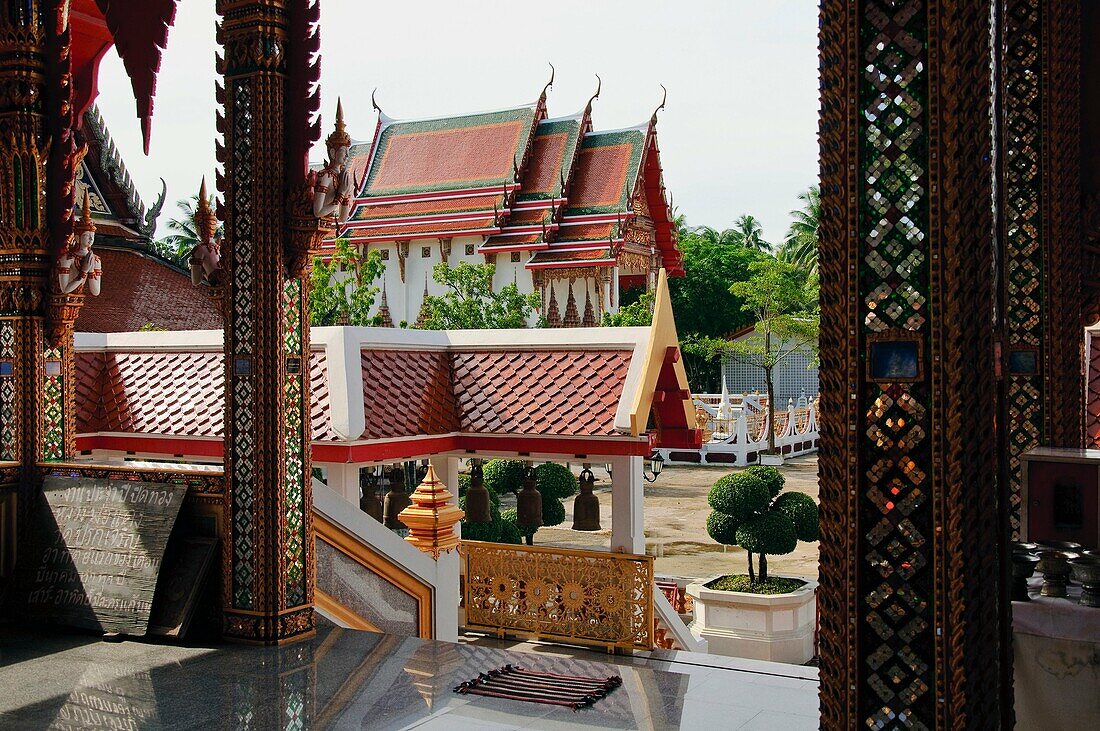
[[140, 290], [369, 212], [512, 243], [552, 156], [422, 230], [407, 393], [449, 154], [588, 232], [558, 392], [607, 170], [319, 410]]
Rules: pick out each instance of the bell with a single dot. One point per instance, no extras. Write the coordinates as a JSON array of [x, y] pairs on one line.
[[368, 500], [397, 499], [586, 506], [477, 497], [529, 502]]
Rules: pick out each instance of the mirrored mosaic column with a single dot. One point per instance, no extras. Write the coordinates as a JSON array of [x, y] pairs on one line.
[[267, 97], [909, 551], [1041, 231], [37, 165]]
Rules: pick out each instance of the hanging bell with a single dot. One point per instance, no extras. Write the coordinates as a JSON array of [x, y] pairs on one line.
[[397, 499], [529, 502], [368, 500], [586, 506], [477, 497]]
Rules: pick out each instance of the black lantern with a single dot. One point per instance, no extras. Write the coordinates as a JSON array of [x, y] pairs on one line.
[[397, 499], [529, 502], [586, 506], [656, 465], [368, 500], [477, 497]]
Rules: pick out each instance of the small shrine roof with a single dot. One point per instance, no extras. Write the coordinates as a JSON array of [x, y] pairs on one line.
[[378, 392], [552, 157], [607, 171]]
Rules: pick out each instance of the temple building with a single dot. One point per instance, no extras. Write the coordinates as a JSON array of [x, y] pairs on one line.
[[574, 214]]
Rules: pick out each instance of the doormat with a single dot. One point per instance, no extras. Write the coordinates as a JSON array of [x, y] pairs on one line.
[[517, 684]]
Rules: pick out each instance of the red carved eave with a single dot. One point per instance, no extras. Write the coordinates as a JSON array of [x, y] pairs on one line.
[[140, 32], [138, 291], [90, 42], [665, 232]]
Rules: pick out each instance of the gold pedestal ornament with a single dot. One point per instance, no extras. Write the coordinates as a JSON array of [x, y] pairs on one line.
[[432, 517]]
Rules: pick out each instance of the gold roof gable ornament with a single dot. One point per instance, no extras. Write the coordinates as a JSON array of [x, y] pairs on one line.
[[432, 517]]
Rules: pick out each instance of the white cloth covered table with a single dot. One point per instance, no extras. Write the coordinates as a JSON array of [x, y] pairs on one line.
[[1056, 654]]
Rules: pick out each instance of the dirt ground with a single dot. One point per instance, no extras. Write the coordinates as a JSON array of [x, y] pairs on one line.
[[676, 513]]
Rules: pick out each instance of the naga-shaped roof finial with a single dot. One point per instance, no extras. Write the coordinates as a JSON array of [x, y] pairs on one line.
[[664, 98], [549, 84], [374, 103], [599, 86]]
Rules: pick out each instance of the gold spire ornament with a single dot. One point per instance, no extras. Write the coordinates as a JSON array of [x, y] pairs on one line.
[[432, 517], [339, 136], [85, 224]]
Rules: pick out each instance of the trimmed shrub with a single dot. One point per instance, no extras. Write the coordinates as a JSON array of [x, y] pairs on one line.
[[722, 528], [509, 532], [771, 533], [511, 515], [741, 496], [553, 512], [770, 476], [503, 475], [482, 531], [555, 481], [803, 514]]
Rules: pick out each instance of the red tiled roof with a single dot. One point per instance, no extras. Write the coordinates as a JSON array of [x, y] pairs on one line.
[[450, 154], [501, 243], [427, 208], [588, 232], [565, 258], [601, 175], [422, 230], [151, 393], [407, 393], [529, 217], [320, 405], [140, 290], [558, 392]]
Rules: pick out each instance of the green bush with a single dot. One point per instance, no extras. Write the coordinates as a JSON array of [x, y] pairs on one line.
[[553, 512], [482, 531], [722, 528], [770, 476], [555, 481], [803, 514], [511, 515], [463, 484], [741, 496], [503, 475], [771, 533], [509, 532]]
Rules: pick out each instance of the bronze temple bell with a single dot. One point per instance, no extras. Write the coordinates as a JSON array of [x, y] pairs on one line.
[[368, 485], [586, 506], [529, 502], [477, 497], [397, 499]]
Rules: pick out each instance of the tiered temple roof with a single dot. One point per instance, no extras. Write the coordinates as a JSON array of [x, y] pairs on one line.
[[523, 181]]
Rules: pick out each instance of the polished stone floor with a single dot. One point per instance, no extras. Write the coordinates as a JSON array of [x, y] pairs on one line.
[[345, 679]]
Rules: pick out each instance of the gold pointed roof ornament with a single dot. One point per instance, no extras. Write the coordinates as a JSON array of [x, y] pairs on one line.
[[431, 518], [85, 224], [206, 223], [339, 136]]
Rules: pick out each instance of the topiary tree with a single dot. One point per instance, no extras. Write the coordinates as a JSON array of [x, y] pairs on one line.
[[503, 475], [752, 511], [555, 483]]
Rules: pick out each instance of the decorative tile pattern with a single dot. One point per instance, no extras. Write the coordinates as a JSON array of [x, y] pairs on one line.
[[294, 447], [9, 395], [606, 172], [1021, 101], [895, 521], [53, 405]]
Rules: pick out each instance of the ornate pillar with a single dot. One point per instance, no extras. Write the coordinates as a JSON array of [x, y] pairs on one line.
[[1040, 231], [268, 126], [910, 568], [37, 170]]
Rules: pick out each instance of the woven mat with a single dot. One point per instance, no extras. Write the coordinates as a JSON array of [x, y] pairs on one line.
[[517, 684]]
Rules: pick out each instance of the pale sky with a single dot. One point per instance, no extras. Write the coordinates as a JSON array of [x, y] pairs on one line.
[[739, 134]]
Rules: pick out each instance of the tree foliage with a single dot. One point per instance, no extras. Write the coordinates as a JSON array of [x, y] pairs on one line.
[[748, 233], [342, 290], [470, 303], [554, 482], [638, 313], [752, 511]]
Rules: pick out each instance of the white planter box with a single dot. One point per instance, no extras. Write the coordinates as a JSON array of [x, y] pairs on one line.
[[774, 627]]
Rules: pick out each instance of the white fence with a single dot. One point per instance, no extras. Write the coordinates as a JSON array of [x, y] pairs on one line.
[[735, 429]]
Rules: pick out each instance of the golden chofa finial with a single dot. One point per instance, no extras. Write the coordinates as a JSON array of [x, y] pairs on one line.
[[206, 223], [85, 224], [339, 136]]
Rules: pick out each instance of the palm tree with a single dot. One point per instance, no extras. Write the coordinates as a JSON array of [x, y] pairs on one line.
[[800, 245], [714, 237], [748, 232], [177, 246]]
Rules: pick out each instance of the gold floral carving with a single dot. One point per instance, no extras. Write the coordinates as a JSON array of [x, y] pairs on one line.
[[587, 597]]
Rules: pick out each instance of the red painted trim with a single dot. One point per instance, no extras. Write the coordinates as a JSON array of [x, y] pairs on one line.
[[423, 235], [378, 451], [474, 215], [509, 248], [432, 194]]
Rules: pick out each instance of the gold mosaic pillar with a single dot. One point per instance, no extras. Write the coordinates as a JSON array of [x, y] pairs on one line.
[[269, 101]]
